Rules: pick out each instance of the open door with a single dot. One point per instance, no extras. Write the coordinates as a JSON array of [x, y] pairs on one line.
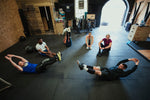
[[46, 18]]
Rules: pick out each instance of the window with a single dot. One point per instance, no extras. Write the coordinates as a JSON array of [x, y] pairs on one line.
[[81, 4]]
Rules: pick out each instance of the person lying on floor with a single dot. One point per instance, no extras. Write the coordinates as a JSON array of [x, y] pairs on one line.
[[43, 49], [25, 66], [104, 48], [112, 73]]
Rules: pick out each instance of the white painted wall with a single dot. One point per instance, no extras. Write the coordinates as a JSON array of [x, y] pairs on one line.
[[80, 12]]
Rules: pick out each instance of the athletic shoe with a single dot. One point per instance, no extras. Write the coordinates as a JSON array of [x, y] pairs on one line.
[[59, 56], [99, 54], [80, 65], [90, 48], [60, 53], [87, 48]]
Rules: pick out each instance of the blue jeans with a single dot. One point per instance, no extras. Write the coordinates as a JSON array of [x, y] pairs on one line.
[[43, 54]]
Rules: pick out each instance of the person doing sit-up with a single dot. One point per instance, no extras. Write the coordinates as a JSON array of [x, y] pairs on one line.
[[110, 73], [25, 66]]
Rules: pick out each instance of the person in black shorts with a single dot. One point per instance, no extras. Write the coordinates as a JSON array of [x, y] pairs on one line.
[[112, 73], [105, 47]]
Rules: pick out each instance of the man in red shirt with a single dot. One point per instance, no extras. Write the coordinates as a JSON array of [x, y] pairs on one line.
[[104, 48]]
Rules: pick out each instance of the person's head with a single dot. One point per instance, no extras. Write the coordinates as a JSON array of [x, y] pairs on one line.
[[21, 63], [107, 36], [89, 33], [122, 66], [40, 40], [60, 9]]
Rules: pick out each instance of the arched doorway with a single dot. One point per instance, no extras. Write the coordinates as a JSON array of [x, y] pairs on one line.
[[114, 13]]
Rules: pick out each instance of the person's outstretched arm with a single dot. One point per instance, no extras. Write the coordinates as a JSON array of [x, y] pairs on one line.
[[13, 63], [122, 61], [126, 73], [19, 57]]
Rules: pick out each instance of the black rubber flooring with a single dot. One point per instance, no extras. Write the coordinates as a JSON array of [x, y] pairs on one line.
[[64, 81], [140, 45]]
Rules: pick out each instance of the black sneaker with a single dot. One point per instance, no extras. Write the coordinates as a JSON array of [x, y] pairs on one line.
[[99, 54], [80, 65]]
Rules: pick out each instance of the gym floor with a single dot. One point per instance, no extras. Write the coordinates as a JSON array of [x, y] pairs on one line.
[[64, 81]]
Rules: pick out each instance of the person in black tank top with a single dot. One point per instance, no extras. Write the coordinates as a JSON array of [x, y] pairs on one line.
[[89, 41]]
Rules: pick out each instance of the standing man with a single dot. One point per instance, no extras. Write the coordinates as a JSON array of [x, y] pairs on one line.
[[89, 41], [112, 73], [25, 66], [104, 48], [43, 49]]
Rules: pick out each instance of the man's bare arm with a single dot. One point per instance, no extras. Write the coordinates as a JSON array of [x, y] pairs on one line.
[[100, 44]]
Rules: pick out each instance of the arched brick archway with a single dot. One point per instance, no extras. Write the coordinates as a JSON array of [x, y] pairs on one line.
[[114, 13], [95, 7]]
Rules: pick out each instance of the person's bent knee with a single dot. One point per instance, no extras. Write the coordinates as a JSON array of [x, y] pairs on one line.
[[96, 67], [97, 72]]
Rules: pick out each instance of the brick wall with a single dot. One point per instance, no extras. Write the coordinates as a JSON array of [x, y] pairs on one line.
[[10, 24]]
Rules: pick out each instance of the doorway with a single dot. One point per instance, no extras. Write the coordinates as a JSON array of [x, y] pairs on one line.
[[46, 18], [24, 22], [113, 13]]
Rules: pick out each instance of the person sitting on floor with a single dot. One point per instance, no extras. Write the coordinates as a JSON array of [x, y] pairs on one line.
[[104, 48], [25, 66], [89, 41], [43, 49], [112, 73]]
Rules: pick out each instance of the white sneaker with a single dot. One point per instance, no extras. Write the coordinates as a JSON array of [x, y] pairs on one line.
[[90, 48], [87, 47]]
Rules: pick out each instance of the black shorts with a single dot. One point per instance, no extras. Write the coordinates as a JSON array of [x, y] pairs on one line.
[[105, 71], [105, 74], [89, 42]]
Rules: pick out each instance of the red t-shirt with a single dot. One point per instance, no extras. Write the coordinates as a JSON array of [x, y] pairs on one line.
[[106, 42]]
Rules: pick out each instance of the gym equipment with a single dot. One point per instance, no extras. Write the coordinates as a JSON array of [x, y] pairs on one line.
[[128, 25], [22, 38], [138, 33], [147, 13], [4, 85], [68, 40], [29, 49]]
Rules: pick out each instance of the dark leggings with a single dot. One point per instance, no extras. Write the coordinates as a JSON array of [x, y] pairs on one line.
[[89, 42], [104, 51], [42, 65]]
